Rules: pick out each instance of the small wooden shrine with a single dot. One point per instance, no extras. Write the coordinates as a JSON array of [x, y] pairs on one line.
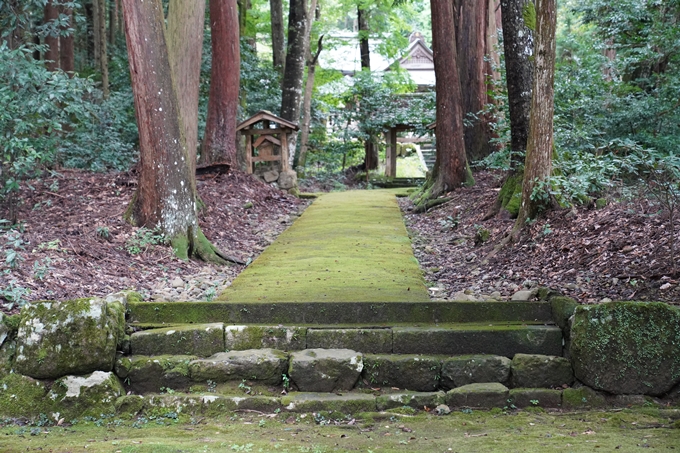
[[267, 138]]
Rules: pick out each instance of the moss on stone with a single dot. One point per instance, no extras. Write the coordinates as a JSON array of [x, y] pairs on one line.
[[12, 323], [582, 398], [627, 347], [22, 396], [239, 338], [90, 395]]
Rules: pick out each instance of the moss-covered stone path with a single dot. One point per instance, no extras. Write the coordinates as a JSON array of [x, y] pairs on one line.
[[346, 247]]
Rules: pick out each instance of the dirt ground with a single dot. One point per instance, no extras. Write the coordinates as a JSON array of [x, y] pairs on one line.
[[73, 242]]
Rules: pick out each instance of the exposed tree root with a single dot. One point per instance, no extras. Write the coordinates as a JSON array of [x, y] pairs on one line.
[[431, 204], [194, 244]]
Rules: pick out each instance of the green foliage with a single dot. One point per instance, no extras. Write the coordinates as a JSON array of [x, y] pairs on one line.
[[260, 83], [142, 239]]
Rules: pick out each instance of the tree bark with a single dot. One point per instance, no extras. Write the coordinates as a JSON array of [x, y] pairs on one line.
[[184, 37], [51, 13], [364, 51], [299, 27], [471, 39], [278, 38], [219, 143], [538, 162], [450, 169], [66, 44], [307, 106], [165, 197], [100, 53], [518, 45]]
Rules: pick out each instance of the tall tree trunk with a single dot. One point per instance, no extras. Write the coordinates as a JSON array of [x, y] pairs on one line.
[[101, 59], [165, 197], [307, 105], [450, 169], [371, 160], [51, 14], [518, 47], [184, 37], [66, 44], [298, 41], [538, 162], [364, 51], [113, 21], [89, 33], [471, 21], [219, 144], [15, 37], [278, 38]]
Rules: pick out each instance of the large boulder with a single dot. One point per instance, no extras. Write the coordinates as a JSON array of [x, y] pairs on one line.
[[287, 179], [627, 347], [22, 396], [325, 370], [71, 337]]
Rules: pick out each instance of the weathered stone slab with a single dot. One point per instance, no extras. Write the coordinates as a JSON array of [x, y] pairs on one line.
[[4, 330], [410, 372], [582, 398], [497, 340], [627, 347], [263, 365], [470, 369], [373, 341], [534, 370], [478, 395], [350, 403], [325, 370], [239, 338], [202, 340], [416, 400], [535, 397], [91, 395], [143, 374], [70, 337]]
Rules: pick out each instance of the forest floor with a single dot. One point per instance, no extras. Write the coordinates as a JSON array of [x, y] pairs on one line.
[[73, 242]]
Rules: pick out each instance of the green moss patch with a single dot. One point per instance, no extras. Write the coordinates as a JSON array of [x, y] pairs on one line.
[[346, 247]]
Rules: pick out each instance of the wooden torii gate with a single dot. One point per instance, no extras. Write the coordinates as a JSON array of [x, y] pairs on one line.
[[266, 143]]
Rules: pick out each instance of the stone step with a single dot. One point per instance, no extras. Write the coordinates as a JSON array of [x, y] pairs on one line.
[[203, 340], [371, 314], [473, 396]]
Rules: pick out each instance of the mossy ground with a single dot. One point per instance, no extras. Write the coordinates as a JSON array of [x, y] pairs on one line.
[[527, 431], [347, 247]]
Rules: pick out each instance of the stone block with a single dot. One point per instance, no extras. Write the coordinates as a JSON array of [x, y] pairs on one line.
[[325, 370], [72, 337], [287, 179], [143, 374], [470, 369], [351, 403], [534, 370], [372, 341], [416, 400], [262, 365], [530, 397], [91, 395], [22, 396], [270, 176], [486, 396], [239, 338], [409, 372], [202, 340], [480, 339], [627, 347], [582, 398]]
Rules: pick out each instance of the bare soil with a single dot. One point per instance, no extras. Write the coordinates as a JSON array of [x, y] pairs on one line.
[[74, 242]]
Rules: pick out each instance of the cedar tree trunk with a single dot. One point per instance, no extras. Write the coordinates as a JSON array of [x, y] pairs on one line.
[[184, 38], [370, 149], [471, 42], [538, 162], [165, 197], [51, 13], [307, 105], [219, 143], [450, 169], [100, 55], [278, 38], [66, 44]]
